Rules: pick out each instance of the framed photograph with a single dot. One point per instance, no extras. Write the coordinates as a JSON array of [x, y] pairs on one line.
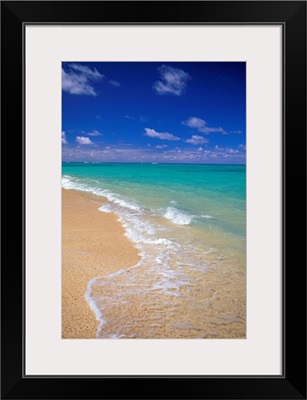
[[161, 165]]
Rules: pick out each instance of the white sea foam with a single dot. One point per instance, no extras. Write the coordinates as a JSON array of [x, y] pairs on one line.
[[206, 216], [166, 242], [122, 202], [107, 208], [73, 183], [178, 217], [93, 305]]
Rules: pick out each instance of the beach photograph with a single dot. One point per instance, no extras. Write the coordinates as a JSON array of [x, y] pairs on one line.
[[153, 200]]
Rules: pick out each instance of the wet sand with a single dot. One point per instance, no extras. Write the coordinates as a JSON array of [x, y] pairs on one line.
[[93, 244]]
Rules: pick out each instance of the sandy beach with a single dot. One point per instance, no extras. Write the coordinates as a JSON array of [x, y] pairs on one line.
[[93, 244]]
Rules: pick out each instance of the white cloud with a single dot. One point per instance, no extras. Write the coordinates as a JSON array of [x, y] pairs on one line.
[[232, 151], [210, 129], [200, 149], [201, 126], [226, 150], [90, 73], [94, 133], [195, 139], [83, 140], [194, 122], [173, 81], [64, 140], [242, 147], [114, 83], [150, 154], [163, 146], [78, 79], [160, 135]]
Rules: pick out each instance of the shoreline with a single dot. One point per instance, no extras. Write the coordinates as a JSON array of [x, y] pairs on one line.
[[93, 245]]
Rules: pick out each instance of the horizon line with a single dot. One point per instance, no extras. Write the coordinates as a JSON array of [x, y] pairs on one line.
[[149, 163]]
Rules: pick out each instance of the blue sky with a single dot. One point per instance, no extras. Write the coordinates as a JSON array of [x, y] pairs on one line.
[[174, 112]]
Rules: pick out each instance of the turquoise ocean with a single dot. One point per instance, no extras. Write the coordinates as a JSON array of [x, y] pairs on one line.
[[188, 223]]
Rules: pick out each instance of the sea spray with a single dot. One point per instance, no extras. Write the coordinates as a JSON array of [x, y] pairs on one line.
[[177, 217]]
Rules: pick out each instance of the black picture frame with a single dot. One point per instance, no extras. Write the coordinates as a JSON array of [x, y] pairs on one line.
[[292, 383]]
